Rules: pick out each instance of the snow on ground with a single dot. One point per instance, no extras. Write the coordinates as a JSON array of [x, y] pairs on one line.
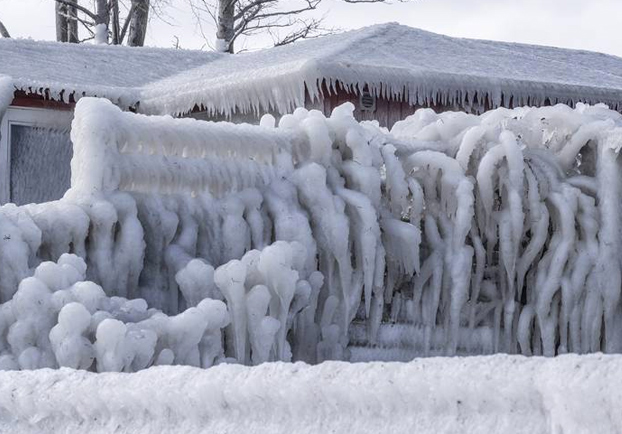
[[492, 394]]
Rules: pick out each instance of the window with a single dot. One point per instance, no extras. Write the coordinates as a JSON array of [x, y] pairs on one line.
[[35, 155]]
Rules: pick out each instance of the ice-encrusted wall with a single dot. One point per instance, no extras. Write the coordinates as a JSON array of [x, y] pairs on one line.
[[213, 242]]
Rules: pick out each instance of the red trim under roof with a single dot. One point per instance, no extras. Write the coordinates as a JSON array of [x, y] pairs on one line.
[[23, 99]]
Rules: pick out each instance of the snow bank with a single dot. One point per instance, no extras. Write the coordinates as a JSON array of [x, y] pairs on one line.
[[577, 394], [505, 223]]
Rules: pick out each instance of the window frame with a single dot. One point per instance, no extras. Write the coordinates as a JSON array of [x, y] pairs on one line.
[[29, 117]]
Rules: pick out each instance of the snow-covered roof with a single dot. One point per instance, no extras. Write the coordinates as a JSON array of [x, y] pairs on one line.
[[114, 72], [394, 61]]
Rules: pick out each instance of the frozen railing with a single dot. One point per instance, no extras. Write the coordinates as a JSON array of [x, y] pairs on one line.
[[115, 150]]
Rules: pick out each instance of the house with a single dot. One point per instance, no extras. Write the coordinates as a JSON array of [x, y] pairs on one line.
[[387, 70]]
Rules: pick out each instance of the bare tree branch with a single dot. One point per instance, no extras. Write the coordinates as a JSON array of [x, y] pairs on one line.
[[373, 1], [237, 18], [312, 29], [125, 20], [82, 9], [116, 30]]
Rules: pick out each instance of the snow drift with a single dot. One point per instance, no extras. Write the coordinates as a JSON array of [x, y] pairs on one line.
[[496, 232], [575, 394]]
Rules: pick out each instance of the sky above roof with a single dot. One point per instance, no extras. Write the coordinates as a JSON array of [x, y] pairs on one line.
[[589, 25]]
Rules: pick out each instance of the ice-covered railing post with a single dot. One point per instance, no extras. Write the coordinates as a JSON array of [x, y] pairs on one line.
[[95, 134]]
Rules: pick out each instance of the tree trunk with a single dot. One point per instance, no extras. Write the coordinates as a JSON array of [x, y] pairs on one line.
[[66, 23], [102, 19], [62, 29], [225, 31], [72, 25], [138, 24], [116, 25]]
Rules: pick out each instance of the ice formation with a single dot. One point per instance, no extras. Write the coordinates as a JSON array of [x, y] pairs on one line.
[[56, 319], [209, 242]]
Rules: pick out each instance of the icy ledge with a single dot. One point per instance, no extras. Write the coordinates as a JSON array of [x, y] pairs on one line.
[[468, 395]]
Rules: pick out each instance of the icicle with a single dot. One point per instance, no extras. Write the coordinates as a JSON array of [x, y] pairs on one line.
[[608, 263]]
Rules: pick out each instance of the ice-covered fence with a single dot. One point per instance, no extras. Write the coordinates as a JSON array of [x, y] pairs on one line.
[[115, 151], [475, 234]]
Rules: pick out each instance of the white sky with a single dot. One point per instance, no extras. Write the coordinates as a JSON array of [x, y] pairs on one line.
[[587, 24]]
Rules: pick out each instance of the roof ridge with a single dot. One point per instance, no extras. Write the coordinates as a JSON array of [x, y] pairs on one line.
[[362, 34]]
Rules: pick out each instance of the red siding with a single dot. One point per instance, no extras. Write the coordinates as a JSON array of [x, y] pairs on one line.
[[22, 99], [387, 111]]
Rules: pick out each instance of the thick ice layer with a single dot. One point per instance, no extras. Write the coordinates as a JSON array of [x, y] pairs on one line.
[[575, 394], [453, 223]]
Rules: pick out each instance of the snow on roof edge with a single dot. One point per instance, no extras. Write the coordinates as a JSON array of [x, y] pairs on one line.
[[266, 88], [113, 72], [123, 96], [281, 94], [284, 93], [447, 89]]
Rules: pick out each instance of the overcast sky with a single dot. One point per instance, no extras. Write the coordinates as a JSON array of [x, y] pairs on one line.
[[587, 24]]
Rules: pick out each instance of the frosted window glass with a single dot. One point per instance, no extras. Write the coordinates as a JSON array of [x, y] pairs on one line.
[[40, 164]]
